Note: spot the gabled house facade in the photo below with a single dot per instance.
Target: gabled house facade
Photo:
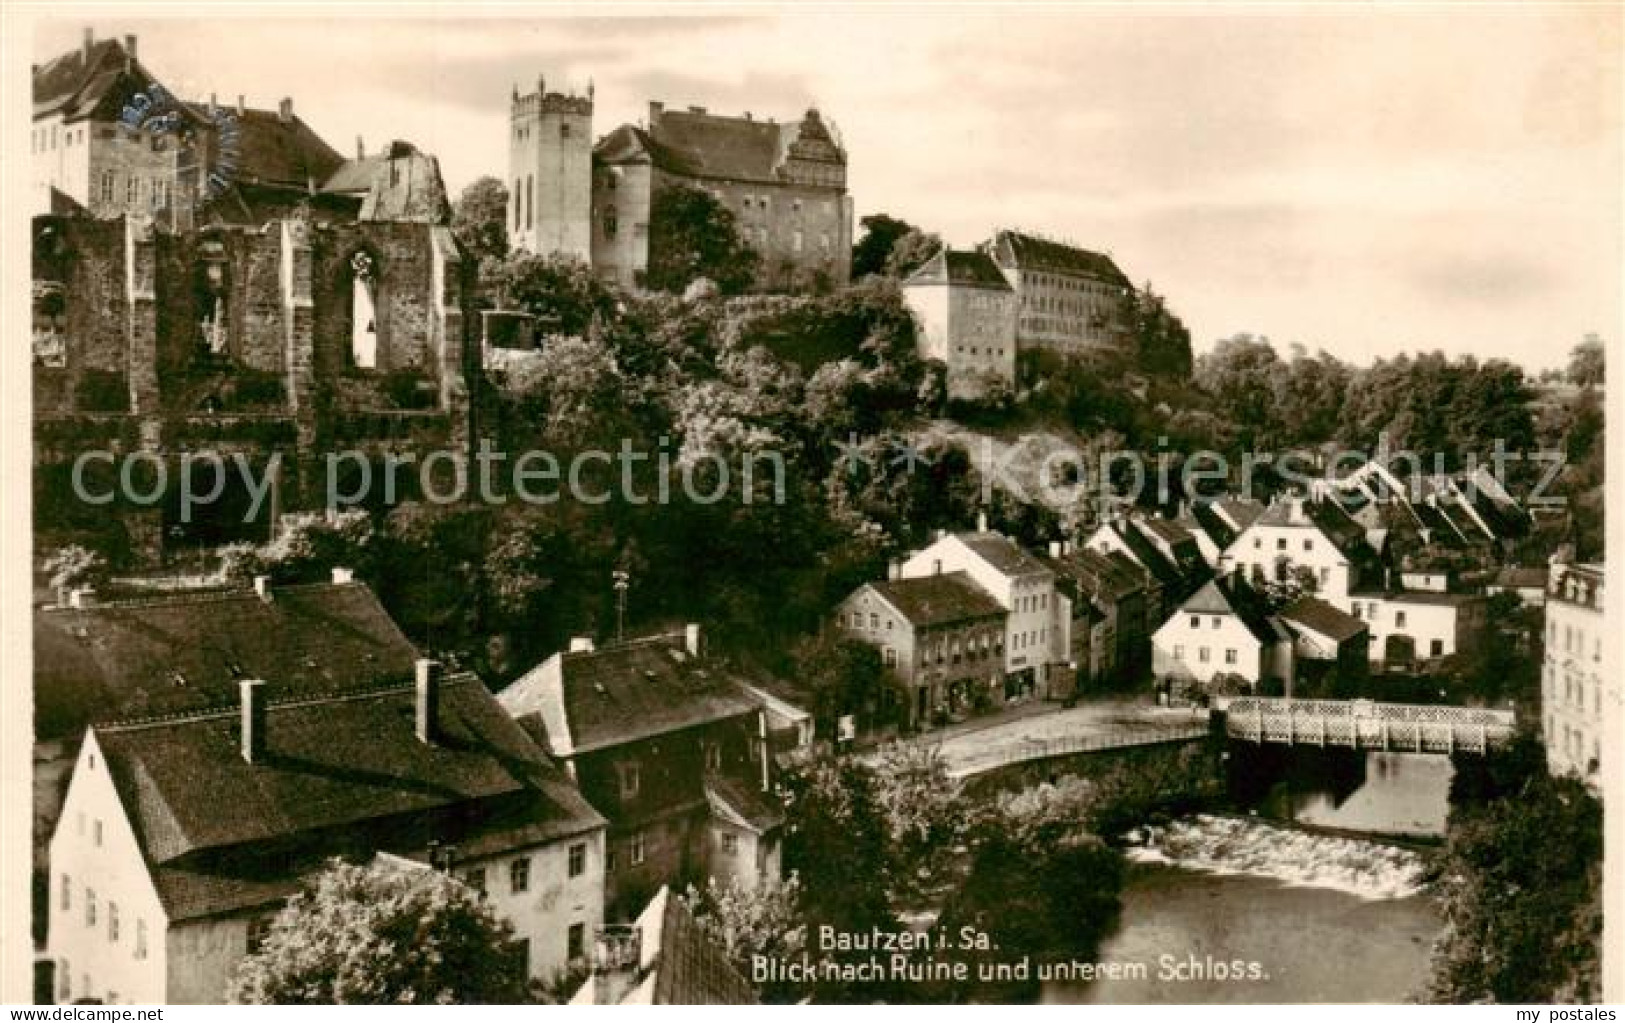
(670, 748)
(1036, 640)
(1221, 635)
(942, 636)
(182, 835)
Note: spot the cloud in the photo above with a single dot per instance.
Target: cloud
(1503, 279)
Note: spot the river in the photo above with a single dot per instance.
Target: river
(1252, 908)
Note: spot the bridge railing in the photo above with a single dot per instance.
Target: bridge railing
(1368, 724)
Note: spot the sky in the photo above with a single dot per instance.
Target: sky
(1364, 180)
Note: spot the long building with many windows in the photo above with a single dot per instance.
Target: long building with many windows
(1578, 693)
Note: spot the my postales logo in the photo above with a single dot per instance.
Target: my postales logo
(155, 110)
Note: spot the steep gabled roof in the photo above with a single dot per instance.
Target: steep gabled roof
(1231, 595)
(741, 806)
(1086, 572)
(401, 184)
(84, 81)
(623, 693)
(273, 150)
(1312, 613)
(1028, 252)
(186, 652)
(1002, 553)
(702, 145)
(220, 832)
(932, 600)
(961, 269)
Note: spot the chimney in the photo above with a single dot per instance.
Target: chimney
(262, 587)
(981, 522)
(894, 570)
(360, 149)
(240, 107)
(251, 694)
(697, 110)
(212, 106)
(936, 567)
(691, 639)
(342, 576)
(427, 716)
(656, 108)
(82, 596)
(747, 115)
(129, 46)
(581, 644)
(284, 110)
(90, 40)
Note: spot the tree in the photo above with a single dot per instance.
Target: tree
(693, 235)
(880, 234)
(1522, 897)
(843, 676)
(835, 841)
(925, 808)
(764, 920)
(384, 934)
(479, 219)
(561, 291)
(910, 252)
(1586, 362)
(1162, 343)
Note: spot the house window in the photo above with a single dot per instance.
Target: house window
(634, 849)
(1179, 652)
(1399, 619)
(474, 877)
(141, 939)
(112, 921)
(631, 778)
(730, 844)
(1258, 543)
(519, 875)
(1436, 648)
(1196, 621)
(1354, 608)
(90, 907)
(576, 942)
(1202, 654)
(713, 756)
(1280, 543)
(518, 204)
(96, 832)
(66, 901)
(132, 191)
(107, 186)
(1309, 545)
(578, 859)
(612, 223)
(891, 657)
(610, 859)
(1230, 655)
(564, 131)
(1216, 623)
(64, 979)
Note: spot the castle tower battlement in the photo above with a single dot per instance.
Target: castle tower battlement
(550, 172)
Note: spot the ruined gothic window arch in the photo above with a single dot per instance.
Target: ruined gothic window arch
(518, 199)
(612, 223)
(530, 200)
(363, 310)
(213, 295)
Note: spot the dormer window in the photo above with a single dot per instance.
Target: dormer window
(631, 778)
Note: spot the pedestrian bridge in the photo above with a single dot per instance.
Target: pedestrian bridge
(1367, 725)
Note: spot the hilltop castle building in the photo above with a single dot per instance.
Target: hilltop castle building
(785, 183)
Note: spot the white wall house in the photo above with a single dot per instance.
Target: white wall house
(1418, 625)
(1215, 633)
(1038, 630)
(182, 836)
(1287, 537)
(1579, 693)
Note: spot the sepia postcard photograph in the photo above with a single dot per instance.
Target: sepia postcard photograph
(900, 504)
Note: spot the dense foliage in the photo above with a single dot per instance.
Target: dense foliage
(692, 235)
(1521, 883)
(382, 934)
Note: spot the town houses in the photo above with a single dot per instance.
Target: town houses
(210, 737)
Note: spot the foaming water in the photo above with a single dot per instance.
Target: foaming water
(1255, 848)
